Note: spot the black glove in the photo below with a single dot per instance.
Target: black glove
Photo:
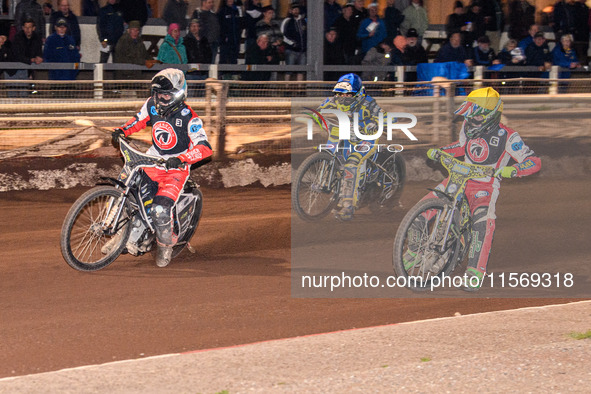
(173, 162)
(116, 134)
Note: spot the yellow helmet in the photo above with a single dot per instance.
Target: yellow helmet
(481, 111)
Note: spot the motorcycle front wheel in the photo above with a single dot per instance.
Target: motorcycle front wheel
(316, 188)
(89, 242)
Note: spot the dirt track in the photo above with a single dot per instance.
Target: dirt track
(236, 289)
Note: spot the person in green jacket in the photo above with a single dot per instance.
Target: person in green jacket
(415, 17)
(172, 50)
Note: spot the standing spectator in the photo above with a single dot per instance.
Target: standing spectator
(210, 26)
(402, 4)
(130, 49)
(581, 33)
(457, 22)
(484, 55)
(393, 19)
(415, 17)
(63, 11)
(295, 38)
(29, 9)
(110, 28)
(344, 26)
(90, 8)
(494, 20)
(454, 51)
(198, 50)
(175, 11)
(230, 32)
(172, 50)
(260, 53)
(27, 48)
(372, 30)
(475, 19)
(332, 10)
(6, 52)
(253, 14)
(523, 44)
(359, 12)
(413, 52)
(271, 29)
(333, 53)
(134, 10)
(61, 48)
(48, 8)
(563, 17)
(521, 17)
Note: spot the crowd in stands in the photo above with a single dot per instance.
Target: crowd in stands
(354, 35)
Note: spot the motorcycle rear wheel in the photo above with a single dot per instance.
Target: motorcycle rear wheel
(184, 240)
(389, 196)
(86, 244)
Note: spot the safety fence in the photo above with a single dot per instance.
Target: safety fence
(243, 117)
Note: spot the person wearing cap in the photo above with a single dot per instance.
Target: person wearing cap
(415, 16)
(350, 98)
(538, 53)
(175, 11)
(172, 50)
(198, 50)
(63, 11)
(372, 30)
(61, 48)
(130, 49)
(413, 52)
(484, 55)
(30, 9)
(110, 28)
(47, 8)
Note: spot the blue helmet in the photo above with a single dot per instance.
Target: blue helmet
(348, 83)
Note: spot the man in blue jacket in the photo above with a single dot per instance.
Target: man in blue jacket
(61, 48)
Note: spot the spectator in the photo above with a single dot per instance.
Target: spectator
(380, 55)
(512, 54)
(27, 48)
(581, 33)
(523, 44)
(172, 50)
(198, 50)
(457, 22)
(90, 8)
(210, 26)
(538, 54)
(48, 9)
(175, 11)
(29, 9)
(402, 4)
(454, 51)
(563, 17)
(484, 55)
(372, 30)
(63, 11)
(259, 54)
(477, 26)
(359, 13)
(253, 14)
(134, 10)
(564, 55)
(295, 38)
(61, 48)
(415, 17)
(494, 20)
(521, 17)
(230, 32)
(271, 29)
(413, 52)
(344, 26)
(393, 19)
(6, 50)
(332, 11)
(333, 53)
(110, 28)
(130, 49)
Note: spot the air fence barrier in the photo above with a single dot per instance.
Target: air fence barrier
(244, 116)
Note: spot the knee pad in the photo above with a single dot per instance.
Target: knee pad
(161, 210)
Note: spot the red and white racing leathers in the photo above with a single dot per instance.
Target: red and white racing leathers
(495, 149)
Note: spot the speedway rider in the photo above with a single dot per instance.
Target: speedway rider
(486, 141)
(178, 137)
(350, 98)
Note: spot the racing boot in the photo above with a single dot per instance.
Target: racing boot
(163, 255)
(112, 243)
(472, 279)
(345, 213)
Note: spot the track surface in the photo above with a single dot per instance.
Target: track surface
(235, 289)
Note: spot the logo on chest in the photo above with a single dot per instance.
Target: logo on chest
(478, 150)
(164, 135)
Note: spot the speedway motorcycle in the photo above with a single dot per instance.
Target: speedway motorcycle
(113, 218)
(434, 236)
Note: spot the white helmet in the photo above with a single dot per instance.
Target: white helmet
(169, 90)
